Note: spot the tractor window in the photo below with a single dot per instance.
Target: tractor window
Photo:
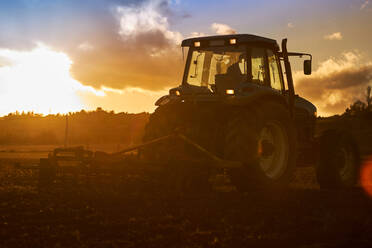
(275, 79)
(212, 66)
(196, 68)
(258, 56)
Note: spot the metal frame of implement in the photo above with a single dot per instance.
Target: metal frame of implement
(49, 167)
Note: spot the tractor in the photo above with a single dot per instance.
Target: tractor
(237, 102)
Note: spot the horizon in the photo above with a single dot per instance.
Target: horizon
(98, 109)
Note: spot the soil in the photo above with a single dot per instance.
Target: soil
(113, 211)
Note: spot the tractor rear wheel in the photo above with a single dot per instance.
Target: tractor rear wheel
(264, 139)
(178, 176)
(338, 165)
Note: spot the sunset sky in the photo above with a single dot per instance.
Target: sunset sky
(66, 55)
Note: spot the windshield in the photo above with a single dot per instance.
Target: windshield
(209, 65)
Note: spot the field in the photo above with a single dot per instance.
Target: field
(111, 211)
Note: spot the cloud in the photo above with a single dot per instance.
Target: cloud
(27, 86)
(290, 25)
(220, 28)
(86, 46)
(140, 51)
(217, 28)
(364, 5)
(117, 44)
(132, 100)
(336, 83)
(5, 61)
(144, 19)
(334, 36)
(196, 34)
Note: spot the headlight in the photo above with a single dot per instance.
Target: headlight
(232, 41)
(230, 92)
(178, 93)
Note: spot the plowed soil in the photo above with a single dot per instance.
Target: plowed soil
(112, 211)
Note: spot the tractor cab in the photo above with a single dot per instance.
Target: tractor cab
(242, 65)
(235, 64)
(225, 64)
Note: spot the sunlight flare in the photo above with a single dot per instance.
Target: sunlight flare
(39, 80)
(366, 176)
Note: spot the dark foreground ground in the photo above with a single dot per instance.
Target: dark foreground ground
(106, 212)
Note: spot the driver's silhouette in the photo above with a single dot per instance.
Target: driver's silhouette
(234, 70)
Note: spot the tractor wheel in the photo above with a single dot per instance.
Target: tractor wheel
(338, 165)
(264, 139)
(164, 121)
(192, 121)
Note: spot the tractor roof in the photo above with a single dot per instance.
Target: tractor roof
(240, 38)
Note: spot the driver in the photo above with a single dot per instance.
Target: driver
(234, 70)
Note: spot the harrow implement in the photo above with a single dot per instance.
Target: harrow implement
(78, 161)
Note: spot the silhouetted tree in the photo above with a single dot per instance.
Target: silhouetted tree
(361, 109)
(85, 127)
(356, 108)
(369, 98)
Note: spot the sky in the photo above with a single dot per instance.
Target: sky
(121, 55)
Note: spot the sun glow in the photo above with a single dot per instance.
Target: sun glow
(38, 80)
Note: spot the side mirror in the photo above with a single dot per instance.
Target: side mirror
(307, 67)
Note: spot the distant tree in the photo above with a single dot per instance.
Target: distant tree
(369, 98)
(360, 108)
(356, 108)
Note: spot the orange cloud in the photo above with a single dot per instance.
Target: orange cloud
(140, 51)
(336, 83)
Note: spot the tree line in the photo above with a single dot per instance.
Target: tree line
(102, 127)
(361, 108)
(84, 127)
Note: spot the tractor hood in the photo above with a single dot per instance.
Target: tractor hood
(305, 104)
(188, 89)
(184, 90)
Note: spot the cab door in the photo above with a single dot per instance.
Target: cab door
(274, 70)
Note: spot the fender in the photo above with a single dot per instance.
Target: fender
(167, 99)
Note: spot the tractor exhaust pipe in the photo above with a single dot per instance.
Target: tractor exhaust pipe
(288, 72)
